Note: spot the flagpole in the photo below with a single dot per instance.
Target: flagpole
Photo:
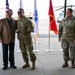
(49, 39)
(35, 46)
(65, 3)
(35, 43)
(35, 19)
(49, 50)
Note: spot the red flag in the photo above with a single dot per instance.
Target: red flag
(52, 22)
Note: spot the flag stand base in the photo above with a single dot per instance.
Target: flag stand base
(35, 50)
(61, 50)
(49, 50)
(18, 51)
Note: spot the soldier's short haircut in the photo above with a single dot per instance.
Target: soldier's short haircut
(21, 9)
(70, 9)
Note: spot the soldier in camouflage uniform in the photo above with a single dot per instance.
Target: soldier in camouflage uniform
(24, 29)
(67, 37)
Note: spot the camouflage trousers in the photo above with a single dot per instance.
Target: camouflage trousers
(68, 47)
(27, 50)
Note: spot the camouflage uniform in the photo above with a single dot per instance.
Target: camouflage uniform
(24, 28)
(67, 36)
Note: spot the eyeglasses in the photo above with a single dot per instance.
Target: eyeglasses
(7, 12)
(19, 12)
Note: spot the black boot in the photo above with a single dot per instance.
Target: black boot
(33, 65)
(72, 63)
(26, 65)
(65, 64)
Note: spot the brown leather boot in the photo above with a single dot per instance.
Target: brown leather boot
(33, 65)
(26, 65)
(65, 64)
(73, 65)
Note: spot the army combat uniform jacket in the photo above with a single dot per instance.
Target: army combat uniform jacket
(25, 28)
(67, 36)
